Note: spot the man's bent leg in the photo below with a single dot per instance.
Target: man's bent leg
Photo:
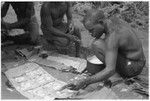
(77, 45)
(129, 68)
(98, 48)
(46, 40)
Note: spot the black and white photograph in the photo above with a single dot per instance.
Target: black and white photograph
(74, 50)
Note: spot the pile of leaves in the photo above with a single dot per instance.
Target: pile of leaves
(81, 7)
(134, 13)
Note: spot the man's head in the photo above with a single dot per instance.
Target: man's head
(94, 22)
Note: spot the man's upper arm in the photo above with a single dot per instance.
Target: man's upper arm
(111, 54)
(111, 59)
(4, 9)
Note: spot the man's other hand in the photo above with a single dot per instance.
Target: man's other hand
(76, 84)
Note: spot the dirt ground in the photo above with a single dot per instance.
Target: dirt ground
(86, 39)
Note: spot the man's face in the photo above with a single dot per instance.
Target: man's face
(96, 30)
(92, 24)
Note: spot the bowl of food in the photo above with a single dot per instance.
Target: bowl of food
(94, 65)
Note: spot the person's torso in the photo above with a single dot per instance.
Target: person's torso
(57, 12)
(129, 46)
(21, 8)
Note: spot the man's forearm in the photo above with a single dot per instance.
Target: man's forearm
(57, 32)
(101, 76)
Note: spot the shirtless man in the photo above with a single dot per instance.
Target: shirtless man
(121, 51)
(26, 21)
(55, 31)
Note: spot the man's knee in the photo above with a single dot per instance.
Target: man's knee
(98, 45)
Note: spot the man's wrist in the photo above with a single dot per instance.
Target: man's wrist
(89, 81)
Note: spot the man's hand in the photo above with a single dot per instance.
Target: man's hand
(76, 84)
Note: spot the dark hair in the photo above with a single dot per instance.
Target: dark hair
(100, 14)
(94, 14)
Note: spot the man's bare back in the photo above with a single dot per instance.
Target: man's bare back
(129, 44)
